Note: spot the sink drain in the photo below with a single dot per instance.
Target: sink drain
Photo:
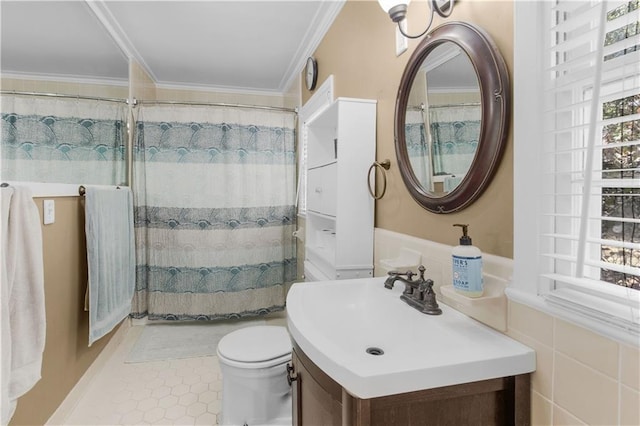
(375, 351)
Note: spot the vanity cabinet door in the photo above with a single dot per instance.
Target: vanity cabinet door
(313, 403)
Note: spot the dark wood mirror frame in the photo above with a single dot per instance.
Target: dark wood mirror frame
(495, 95)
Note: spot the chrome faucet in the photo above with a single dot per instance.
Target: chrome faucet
(418, 294)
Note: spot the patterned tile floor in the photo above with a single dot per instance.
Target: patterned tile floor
(171, 392)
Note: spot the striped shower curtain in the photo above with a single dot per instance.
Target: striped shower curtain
(418, 147)
(214, 211)
(58, 140)
(455, 131)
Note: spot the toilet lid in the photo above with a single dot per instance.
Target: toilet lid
(255, 344)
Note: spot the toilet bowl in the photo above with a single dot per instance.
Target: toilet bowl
(253, 362)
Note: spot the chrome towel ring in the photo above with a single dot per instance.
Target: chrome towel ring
(384, 166)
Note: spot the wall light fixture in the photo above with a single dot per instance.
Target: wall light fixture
(397, 10)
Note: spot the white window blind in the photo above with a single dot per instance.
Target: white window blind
(590, 224)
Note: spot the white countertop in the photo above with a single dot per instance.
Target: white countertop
(334, 322)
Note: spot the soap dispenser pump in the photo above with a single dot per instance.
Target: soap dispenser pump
(467, 266)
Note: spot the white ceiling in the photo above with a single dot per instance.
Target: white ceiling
(258, 45)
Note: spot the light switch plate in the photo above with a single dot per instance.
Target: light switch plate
(49, 208)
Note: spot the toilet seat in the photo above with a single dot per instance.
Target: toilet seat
(255, 347)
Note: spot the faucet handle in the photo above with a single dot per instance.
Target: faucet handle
(421, 269)
(426, 287)
(430, 304)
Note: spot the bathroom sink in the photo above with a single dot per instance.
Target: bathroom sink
(373, 344)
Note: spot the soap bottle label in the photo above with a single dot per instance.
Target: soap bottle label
(467, 274)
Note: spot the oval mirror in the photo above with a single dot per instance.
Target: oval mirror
(452, 114)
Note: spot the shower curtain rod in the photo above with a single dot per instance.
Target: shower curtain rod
(58, 95)
(422, 107)
(456, 105)
(219, 104)
(136, 102)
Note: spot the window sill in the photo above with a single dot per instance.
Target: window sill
(597, 324)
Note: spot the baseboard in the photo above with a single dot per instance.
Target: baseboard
(59, 417)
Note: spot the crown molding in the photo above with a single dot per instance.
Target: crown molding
(217, 89)
(326, 14)
(322, 21)
(119, 36)
(65, 78)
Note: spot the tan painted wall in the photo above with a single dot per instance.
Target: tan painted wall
(65, 87)
(143, 88)
(66, 354)
(359, 50)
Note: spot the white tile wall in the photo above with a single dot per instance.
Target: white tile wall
(581, 377)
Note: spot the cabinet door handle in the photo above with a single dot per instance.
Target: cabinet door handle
(318, 189)
(291, 374)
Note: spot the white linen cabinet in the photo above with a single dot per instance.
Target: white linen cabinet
(341, 146)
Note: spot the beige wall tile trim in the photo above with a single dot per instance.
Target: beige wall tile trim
(585, 392)
(562, 417)
(388, 244)
(542, 378)
(630, 366)
(629, 406)
(436, 258)
(529, 298)
(531, 322)
(541, 410)
(587, 347)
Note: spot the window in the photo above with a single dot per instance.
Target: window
(586, 251)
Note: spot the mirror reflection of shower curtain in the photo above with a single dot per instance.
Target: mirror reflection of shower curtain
(454, 131)
(60, 140)
(215, 215)
(417, 147)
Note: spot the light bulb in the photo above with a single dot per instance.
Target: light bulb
(386, 5)
(397, 9)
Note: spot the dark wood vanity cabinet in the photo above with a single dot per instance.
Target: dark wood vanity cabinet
(319, 400)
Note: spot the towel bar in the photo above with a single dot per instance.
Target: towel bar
(82, 190)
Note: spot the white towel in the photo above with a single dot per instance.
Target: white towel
(22, 297)
(110, 257)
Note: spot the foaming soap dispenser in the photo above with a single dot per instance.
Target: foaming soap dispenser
(467, 266)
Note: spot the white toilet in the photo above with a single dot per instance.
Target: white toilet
(255, 391)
